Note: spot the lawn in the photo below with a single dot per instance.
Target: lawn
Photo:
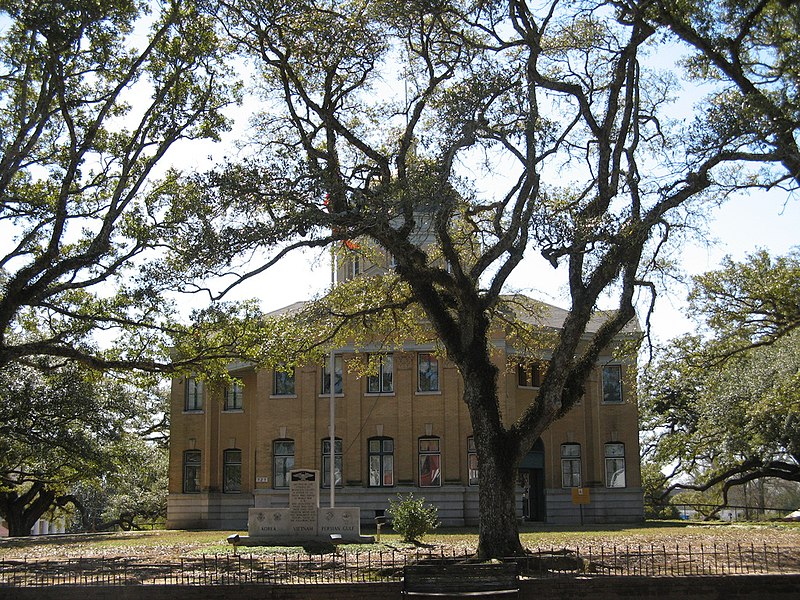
(167, 544)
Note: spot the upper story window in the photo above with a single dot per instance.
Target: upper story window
(337, 375)
(427, 372)
(381, 461)
(326, 462)
(191, 472)
(283, 383)
(529, 374)
(353, 266)
(612, 384)
(193, 398)
(570, 465)
(383, 381)
(282, 462)
(430, 462)
(472, 461)
(232, 471)
(234, 396)
(615, 465)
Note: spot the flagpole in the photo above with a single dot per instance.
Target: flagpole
(332, 402)
(332, 418)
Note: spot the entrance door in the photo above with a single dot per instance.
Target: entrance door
(531, 474)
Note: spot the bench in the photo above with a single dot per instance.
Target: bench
(462, 580)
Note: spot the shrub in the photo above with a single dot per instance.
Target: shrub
(411, 518)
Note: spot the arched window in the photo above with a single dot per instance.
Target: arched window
(282, 462)
(380, 458)
(570, 465)
(472, 461)
(615, 465)
(191, 472)
(232, 471)
(430, 462)
(326, 462)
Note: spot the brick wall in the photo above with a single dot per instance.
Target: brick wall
(741, 587)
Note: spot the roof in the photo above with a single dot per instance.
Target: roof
(526, 309)
(536, 312)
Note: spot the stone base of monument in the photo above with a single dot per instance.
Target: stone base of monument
(287, 526)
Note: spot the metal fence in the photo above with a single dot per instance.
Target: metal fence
(347, 567)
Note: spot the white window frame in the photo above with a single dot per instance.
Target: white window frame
(432, 361)
(234, 397)
(612, 386)
(430, 461)
(571, 465)
(338, 362)
(232, 471)
(383, 381)
(191, 471)
(193, 395)
(287, 377)
(380, 462)
(472, 462)
(326, 462)
(282, 463)
(615, 465)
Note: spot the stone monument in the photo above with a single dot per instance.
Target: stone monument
(303, 520)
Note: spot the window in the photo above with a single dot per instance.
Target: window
(326, 462)
(529, 375)
(194, 394)
(326, 375)
(284, 383)
(472, 461)
(233, 396)
(615, 465)
(232, 471)
(428, 372)
(381, 462)
(570, 465)
(191, 472)
(430, 461)
(353, 267)
(612, 384)
(282, 462)
(383, 381)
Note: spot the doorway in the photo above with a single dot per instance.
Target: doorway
(531, 477)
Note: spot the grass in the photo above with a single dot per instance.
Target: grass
(175, 543)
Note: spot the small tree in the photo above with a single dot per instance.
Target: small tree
(411, 518)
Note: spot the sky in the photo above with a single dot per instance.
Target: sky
(739, 227)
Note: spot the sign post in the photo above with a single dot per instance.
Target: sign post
(580, 496)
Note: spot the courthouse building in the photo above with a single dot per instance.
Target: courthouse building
(404, 428)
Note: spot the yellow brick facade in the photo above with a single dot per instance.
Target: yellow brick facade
(403, 415)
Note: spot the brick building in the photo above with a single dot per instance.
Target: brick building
(403, 429)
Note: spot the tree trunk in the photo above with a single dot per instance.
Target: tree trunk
(498, 530)
(22, 512)
(498, 457)
(18, 525)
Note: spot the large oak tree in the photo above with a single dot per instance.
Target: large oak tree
(721, 408)
(93, 94)
(461, 137)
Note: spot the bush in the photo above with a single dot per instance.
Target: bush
(411, 518)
